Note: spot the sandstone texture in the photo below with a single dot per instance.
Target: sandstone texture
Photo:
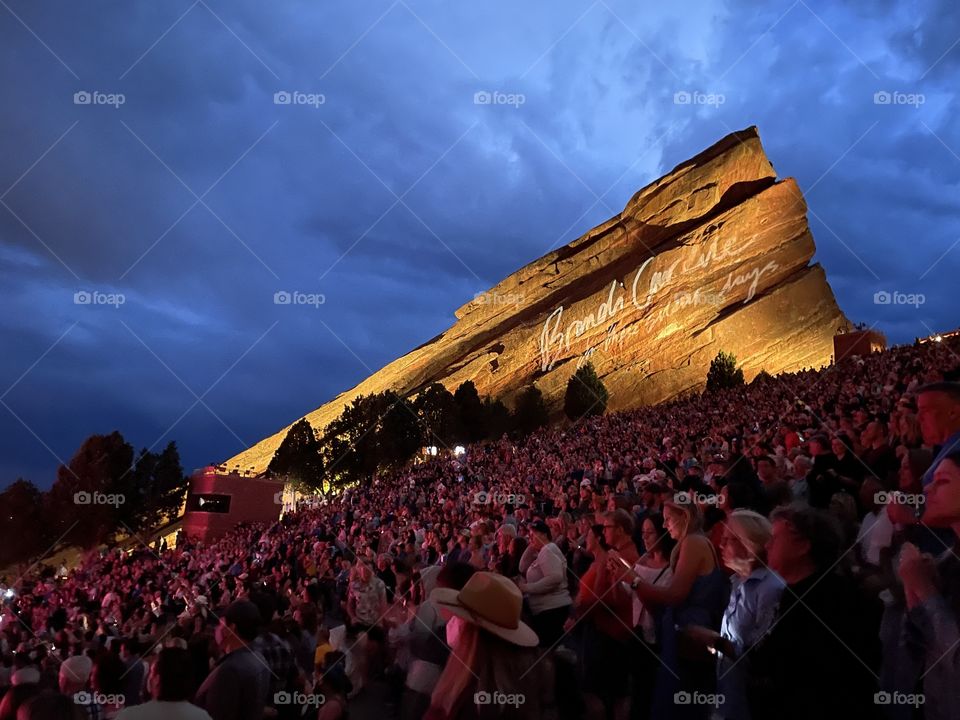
(713, 256)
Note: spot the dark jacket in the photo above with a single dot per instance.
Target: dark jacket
(821, 657)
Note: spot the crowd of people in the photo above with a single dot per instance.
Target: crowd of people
(785, 549)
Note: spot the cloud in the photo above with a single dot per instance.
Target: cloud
(104, 197)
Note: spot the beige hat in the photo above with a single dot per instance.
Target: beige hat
(491, 601)
(77, 668)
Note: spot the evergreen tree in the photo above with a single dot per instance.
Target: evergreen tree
(724, 372)
(470, 410)
(586, 394)
(530, 411)
(299, 458)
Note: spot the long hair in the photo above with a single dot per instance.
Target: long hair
(482, 662)
(693, 523)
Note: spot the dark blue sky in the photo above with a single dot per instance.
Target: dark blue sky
(387, 188)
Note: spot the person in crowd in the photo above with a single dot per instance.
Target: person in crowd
(170, 685)
(274, 650)
(754, 598)
(73, 681)
(823, 480)
(820, 656)
(932, 588)
(107, 683)
(879, 459)
(428, 650)
(776, 491)
(16, 696)
(696, 596)
(545, 584)
(335, 686)
(387, 575)
(653, 567)
(493, 670)
(367, 598)
(938, 412)
(604, 608)
(50, 705)
(237, 687)
(134, 671)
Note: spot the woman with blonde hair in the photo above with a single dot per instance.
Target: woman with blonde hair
(696, 595)
(754, 598)
(493, 670)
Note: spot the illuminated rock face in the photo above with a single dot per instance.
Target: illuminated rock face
(712, 256)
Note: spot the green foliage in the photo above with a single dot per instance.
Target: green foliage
(86, 505)
(439, 416)
(470, 411)
(23, 523)
(497, 418)
(530, 411)
(724, 372)
(299, 458)
(761, 377)
(373, 433)
(586, 394)
(155, 489)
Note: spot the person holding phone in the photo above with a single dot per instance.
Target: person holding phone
(696, 595)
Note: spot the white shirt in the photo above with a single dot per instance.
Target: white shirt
(876, 533)
(156, 710)
(642, 617)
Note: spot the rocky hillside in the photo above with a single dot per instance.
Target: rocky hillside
(714, 255)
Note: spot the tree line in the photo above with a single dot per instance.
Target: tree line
(384, 431)
(106, 491)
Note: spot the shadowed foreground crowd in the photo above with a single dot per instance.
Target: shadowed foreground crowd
(782, 550)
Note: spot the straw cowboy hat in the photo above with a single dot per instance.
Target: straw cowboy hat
(492, 602)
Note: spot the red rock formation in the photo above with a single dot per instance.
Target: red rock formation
(714, 255)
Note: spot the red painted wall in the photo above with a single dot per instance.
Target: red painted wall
(858, 342)
(251, 500)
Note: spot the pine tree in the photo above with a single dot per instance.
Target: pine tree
(586, 394)
(724, 372)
